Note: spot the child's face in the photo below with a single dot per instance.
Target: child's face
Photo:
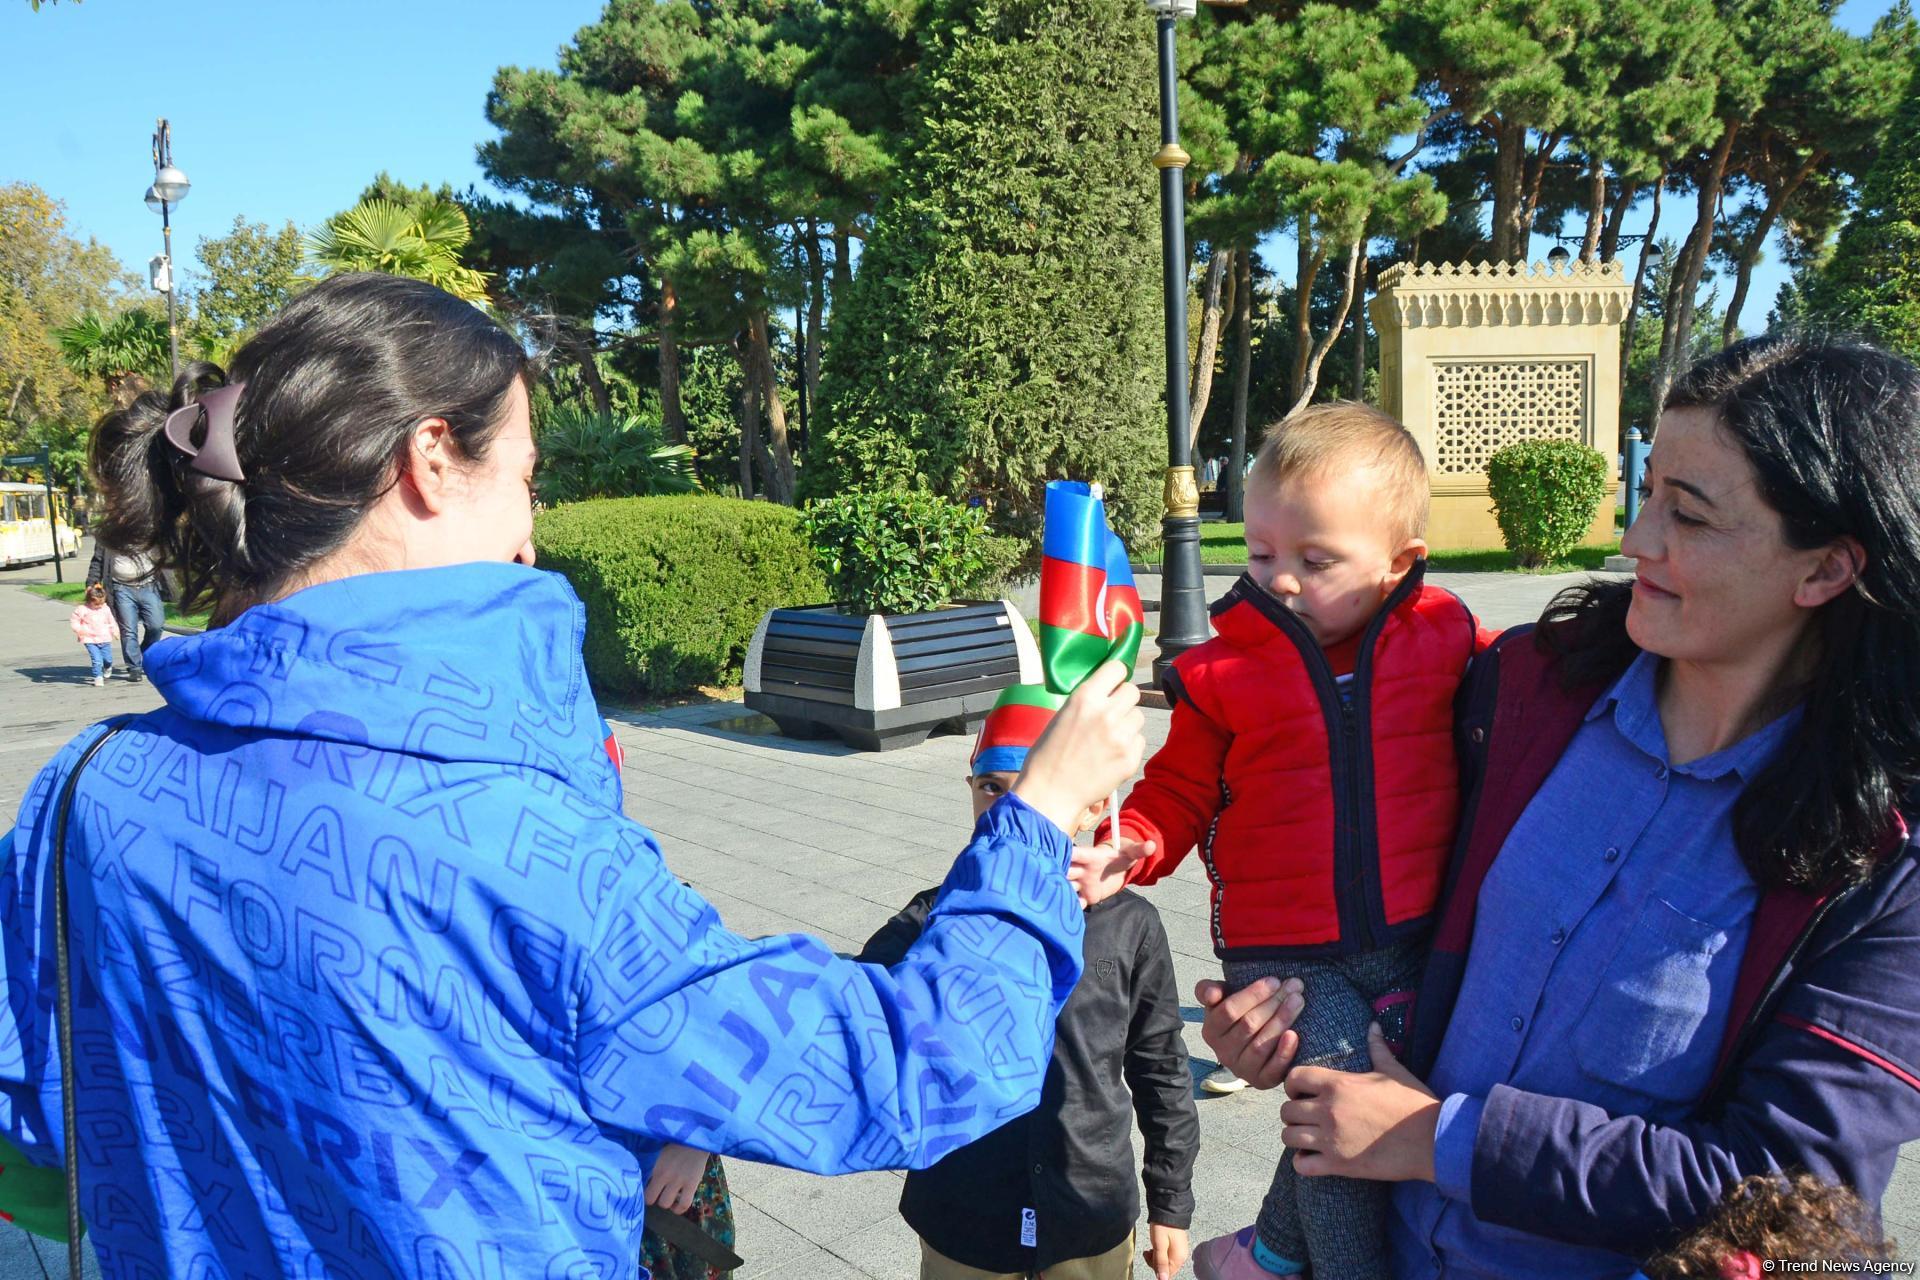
(988, 787)
(1319, 544)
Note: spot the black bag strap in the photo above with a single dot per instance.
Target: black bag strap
(63, 978)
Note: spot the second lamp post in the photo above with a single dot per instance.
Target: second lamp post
(169, 188)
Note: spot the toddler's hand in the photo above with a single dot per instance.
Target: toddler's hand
(1100, 871)
(1168, 1251)
(676, 1176)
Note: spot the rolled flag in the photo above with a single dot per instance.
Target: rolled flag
(1018, 717)
(1090, 609)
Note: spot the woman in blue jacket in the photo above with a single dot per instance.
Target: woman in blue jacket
(1683, 918)
(372, 977)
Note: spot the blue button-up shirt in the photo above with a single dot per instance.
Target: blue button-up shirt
(1609, 937)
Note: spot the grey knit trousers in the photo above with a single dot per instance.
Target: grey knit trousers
(1336, 1226)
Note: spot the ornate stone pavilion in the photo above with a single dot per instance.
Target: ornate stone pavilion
(1478, 356)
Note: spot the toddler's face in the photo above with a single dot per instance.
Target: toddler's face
(1319, 544)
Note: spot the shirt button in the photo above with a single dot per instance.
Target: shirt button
(1613, 855)
(1518, 1023)
(1478, 735)
(1661, 773)
(1559, 936)
(1037, 1168)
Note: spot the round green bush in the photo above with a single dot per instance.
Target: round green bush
(674, 586)
(904, 552)
(1545, 494)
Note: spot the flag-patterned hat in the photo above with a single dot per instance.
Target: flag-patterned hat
(1018, 718)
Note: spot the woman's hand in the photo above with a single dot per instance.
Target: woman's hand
(1094, 744)
(1250, 1031)
(1378, 1126)
(676, 1176)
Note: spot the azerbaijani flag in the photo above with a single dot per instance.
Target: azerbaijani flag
(1090, 610)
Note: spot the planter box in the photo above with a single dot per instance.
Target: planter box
(887, 680)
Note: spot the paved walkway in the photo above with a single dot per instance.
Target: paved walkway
(788, 836)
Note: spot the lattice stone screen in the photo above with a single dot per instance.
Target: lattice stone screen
(1476, 357)
(1480, 406)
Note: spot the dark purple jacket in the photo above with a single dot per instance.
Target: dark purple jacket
(1820, 1068)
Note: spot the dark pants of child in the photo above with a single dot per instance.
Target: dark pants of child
(1336, 1226)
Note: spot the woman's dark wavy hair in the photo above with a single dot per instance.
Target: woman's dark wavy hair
(1832, 428)
(335, 385)
(1772, 1215)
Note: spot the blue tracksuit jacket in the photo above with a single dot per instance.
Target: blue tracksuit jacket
(374, 978)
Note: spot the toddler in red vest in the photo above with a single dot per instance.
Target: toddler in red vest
(1311, 762)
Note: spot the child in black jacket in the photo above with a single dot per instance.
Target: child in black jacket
(1053, 1190)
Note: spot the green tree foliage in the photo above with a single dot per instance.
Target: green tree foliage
(894, 552)
(130, 344)
(423, 242)
(1320, 105)
(246, 276)
(1505, 69)
(48, 278)
(1003, 329)
(1872, 281)
(584, 455)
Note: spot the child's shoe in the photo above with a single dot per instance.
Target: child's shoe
(1222, 1080)
(106, 672)
(98, 681)
(1230, 1258)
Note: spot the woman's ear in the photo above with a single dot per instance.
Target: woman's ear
(427, 466)
(1840, 565)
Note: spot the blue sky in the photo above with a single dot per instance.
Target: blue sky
(285, 111)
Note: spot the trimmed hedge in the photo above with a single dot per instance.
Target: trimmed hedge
(1545, 494)
(674, 586)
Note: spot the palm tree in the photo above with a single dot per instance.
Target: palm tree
(422, 243)
(584, 454)
(129, 345)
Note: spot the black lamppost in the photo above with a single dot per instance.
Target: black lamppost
(169, 188)
(1183, 599)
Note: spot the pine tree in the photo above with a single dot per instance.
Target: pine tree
(1004, 328)
(1873, 280)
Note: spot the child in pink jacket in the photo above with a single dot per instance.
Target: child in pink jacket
(96, 627)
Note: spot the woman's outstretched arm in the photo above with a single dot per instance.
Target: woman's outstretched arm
(778, 1050)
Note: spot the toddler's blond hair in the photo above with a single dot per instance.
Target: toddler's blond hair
(1343, 435)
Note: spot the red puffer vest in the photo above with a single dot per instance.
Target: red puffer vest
(1325, 829)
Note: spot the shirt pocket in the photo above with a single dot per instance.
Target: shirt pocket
(1650, 1026)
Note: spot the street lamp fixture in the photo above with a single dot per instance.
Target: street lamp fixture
(1558, 257)
(170, 184)
(1183, 598)
(170, 187)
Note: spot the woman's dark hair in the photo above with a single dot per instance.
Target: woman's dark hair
(1770, 1215)
(1832, 428)
(335, 386)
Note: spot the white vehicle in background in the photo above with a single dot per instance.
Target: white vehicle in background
(28, 529)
